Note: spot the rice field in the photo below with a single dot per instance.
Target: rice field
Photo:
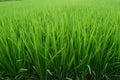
(60, 40)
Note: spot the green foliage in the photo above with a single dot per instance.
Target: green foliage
(7, 0)
(59, 42)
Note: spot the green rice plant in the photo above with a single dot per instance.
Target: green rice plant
(60, 42)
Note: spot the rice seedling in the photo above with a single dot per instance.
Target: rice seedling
(63, 41)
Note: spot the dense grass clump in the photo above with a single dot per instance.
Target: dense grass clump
(62, 43)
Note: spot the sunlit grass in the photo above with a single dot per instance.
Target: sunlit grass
(63, 42)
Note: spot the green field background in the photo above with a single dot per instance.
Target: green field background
(60, 40)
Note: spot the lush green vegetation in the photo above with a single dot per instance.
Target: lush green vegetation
(56, 40)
